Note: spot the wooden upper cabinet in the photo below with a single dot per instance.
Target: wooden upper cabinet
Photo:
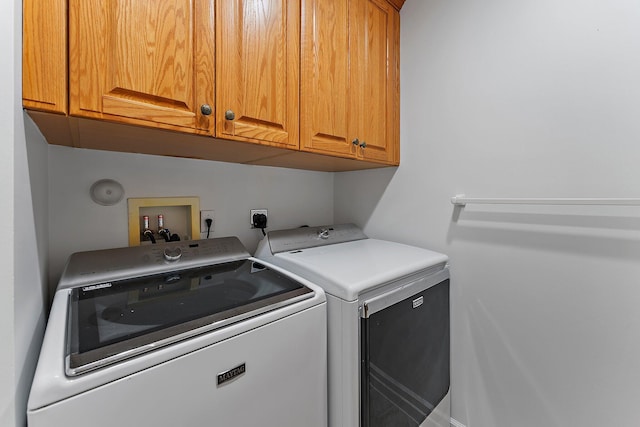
(257, 60)
(311, 84)
(349, 102)
(44, 55)
(143, 62)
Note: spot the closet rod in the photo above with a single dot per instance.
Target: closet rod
(462, 200)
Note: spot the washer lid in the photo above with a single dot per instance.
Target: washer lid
(348, 269)
(117, 320)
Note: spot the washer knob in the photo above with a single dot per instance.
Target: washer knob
(172, 254)
(323, 233)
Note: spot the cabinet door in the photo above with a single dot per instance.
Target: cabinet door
(257, 58)
(326, 100)
(143, 62)
(44, 55)
(376, 34)
(349, 79)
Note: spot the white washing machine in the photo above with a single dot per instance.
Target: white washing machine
(181, 334)
(388, 323)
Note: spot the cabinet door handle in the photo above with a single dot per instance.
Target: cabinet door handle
(356, 142)
(229, 115)
(206, 110)
(363, 144)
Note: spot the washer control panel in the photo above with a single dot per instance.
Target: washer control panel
(85, 268)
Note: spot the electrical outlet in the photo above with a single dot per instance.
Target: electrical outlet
(256, 211)
(204, 215)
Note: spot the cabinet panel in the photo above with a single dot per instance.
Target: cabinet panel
(377, 36)
(150, 61)
(44, 55)
(349, 81)
(326, 102)
(257, 60)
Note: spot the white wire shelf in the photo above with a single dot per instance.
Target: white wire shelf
(462, 200)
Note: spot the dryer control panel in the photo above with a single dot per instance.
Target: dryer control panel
(311, 237)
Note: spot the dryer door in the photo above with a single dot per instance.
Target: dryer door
(405, 356)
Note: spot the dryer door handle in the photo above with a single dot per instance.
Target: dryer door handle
(378, 303)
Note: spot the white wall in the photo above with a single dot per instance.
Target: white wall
(23, 192)
(7, 132)
(292, 197)
(522, 99)
(31, 251)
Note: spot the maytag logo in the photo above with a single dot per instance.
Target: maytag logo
(96, 287)
(418, 302)
(231, 374)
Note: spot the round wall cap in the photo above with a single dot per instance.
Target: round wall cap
(106, 192)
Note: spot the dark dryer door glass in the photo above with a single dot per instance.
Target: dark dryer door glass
(405, 359)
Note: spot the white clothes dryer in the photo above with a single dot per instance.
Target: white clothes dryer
(388, 323)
